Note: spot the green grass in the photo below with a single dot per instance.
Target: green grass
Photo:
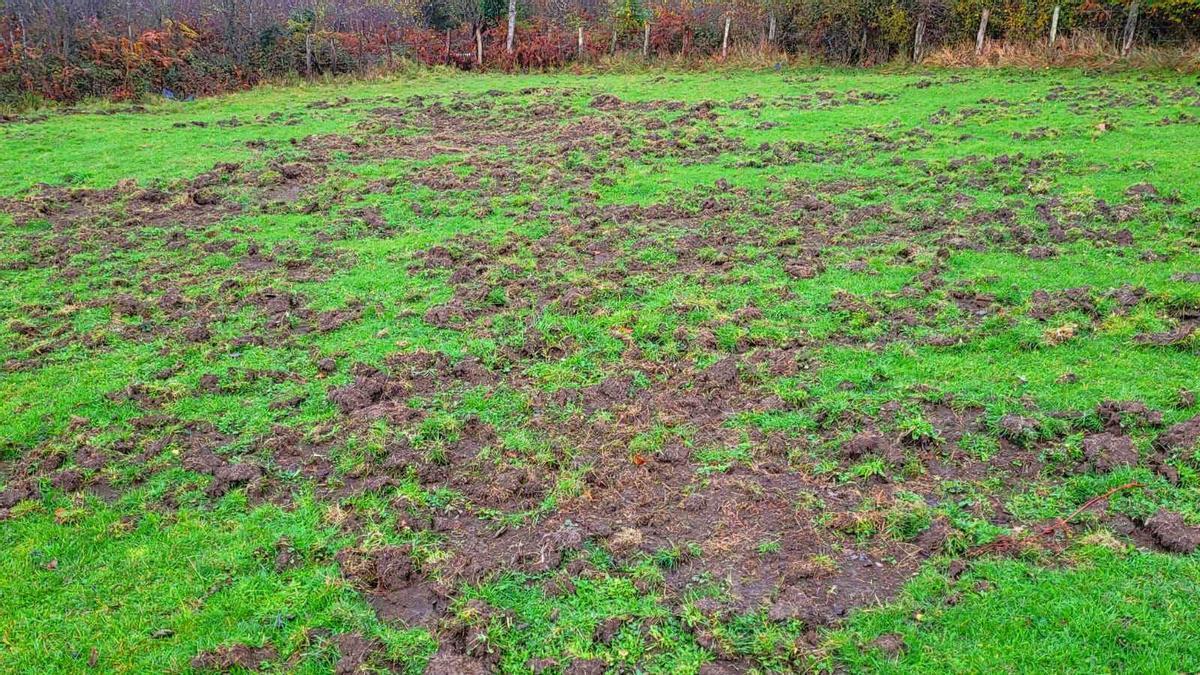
(142, 571)
(1109, 611)
(148, 590)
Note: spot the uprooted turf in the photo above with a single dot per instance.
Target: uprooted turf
(671, 372)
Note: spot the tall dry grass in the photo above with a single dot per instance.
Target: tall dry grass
(1075, 50)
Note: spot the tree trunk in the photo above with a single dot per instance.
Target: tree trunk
(447, 46)
(646, 41)
(982, 35)
(479, 46)
(512, 25)
(725, 40)
(771, 27)
(612, 49)
(387, 45)
(1054, 26)
(332, 57)
(1130, 29)
(580, 50)
(919, 41)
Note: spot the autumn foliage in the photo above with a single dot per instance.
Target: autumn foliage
(74, 56)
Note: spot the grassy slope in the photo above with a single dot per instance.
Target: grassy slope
(77, 580)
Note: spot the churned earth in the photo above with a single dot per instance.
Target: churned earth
(723, 372)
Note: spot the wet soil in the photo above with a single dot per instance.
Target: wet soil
(714, 491)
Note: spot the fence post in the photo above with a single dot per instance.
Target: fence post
(332, 57)
(479, 45)
(612, 49)
(512, 25)
(1130, 29)
(1054, 26)
(581, 43)
(919, 40)
(771, 27)
(646, 41)
(982, 35)
(725, 40)
(308, 55)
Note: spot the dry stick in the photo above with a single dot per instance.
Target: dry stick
(1094, 500)
(725, 41)
(1130, 29)
(1054, 26)
(979, 38)
(1056, 524)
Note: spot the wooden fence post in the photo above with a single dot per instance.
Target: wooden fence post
(1130, 29)
(308, 55)
(581, 43)
(982, 35)
(725, 40)
(1054, 26)
(479, 45)
(919, 40)
(771, 27)
(612, 49)
(512, 25)
(332, 57)
(646, 41)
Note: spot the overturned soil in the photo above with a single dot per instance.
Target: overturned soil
(698, 433)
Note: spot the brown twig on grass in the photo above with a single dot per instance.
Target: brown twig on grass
(1094, 500)
(1009, 543)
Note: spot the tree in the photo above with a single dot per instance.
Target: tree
(628, 15)
(475, 13)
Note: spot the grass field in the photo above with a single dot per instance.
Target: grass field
(723, 372)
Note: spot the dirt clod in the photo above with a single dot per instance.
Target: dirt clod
(1172, 533)
(228, 658)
